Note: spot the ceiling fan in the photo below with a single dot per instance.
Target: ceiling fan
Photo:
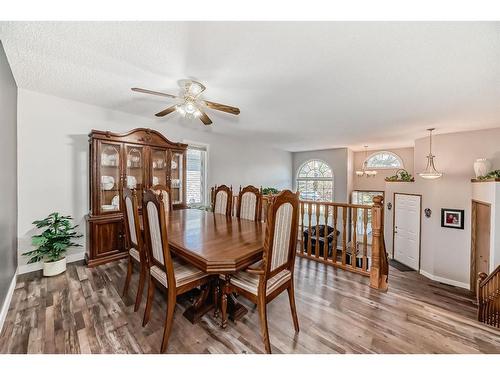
(191, 105)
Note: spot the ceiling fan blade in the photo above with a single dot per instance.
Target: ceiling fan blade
(204, 118)
(166, 111)
(144, 91)
(222, 107)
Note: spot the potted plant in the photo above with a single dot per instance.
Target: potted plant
(491, 175)
(401, 175)
(270, 191)
(53, 242)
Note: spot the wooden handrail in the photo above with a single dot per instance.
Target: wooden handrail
(488, 277)
(488, 298)
(339, 234)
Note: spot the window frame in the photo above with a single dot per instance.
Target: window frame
(398, 158)
(306, 179)
(202, 147)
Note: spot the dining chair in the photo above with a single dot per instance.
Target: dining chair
(172, 274)
(165, 191)
(135, 244)
(249, 203)
(265, 280)
(222, 200)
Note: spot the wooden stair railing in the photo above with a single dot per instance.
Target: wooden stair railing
(488, 298)
(352, 226)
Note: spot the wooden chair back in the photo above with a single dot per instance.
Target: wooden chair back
(249, 203)
(155, 231)
(165, 191)
(132, 221)
(281, 233)
(222, 200)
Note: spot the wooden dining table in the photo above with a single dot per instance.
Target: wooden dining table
(216, 244)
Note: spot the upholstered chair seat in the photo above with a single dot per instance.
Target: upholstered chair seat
(184, 273)
(250, 282)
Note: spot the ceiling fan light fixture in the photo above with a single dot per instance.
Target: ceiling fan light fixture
(190, 108)
(195, 88)
(180, 108)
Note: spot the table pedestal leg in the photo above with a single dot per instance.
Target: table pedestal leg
(201, 305)
(216, 298)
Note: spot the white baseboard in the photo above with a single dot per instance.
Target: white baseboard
(6, 302)
(70, 258)
(445, 281)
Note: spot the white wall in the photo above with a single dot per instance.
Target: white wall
(53, 157)
(337, 159)
(377, 183)
(445, 252)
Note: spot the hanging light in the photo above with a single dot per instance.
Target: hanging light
(430, 172)
(364, 171)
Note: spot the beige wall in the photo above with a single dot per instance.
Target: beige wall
(445, 252)
(337, 159)
(378, 182)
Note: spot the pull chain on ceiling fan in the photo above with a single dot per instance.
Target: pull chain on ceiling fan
(191, 106)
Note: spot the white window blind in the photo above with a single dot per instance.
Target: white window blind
(196, 174)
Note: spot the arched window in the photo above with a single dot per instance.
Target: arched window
(315, 181)
(384, 160)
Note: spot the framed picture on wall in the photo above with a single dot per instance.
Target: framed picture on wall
(451, 218)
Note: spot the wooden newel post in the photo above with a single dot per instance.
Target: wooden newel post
(379, 270)
(480, 307)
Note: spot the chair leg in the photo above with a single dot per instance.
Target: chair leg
(129, 275)
(264, 331)
(149, 301)
(140, 288)
(168, 322)
(291, 297)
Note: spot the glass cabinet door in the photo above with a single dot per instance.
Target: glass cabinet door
(134, 169)
(176, 177)
(109, 177)
(159, 167)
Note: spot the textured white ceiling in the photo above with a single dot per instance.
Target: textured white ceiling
(299, 85)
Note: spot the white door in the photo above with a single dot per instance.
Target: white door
(407, 229)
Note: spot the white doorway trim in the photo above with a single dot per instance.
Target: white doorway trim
(419, 229)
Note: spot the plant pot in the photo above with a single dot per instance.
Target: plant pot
(54, 268)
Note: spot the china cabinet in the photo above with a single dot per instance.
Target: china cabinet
(139, 160)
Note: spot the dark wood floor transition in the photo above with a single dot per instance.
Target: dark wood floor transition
(82, 311)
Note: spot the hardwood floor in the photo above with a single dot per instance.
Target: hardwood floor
(82, 311)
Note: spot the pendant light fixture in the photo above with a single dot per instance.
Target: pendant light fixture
(430, 172)
(364, 171)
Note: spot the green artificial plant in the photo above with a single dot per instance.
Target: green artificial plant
(270, 190)
(401, 175)
(53, 242)
(492, 174)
